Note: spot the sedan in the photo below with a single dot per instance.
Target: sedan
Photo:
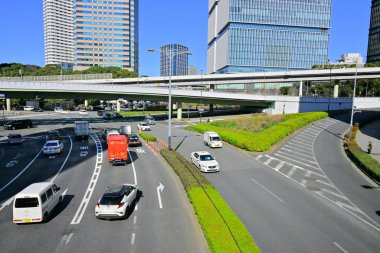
(83, 112)
(117, 201)
(53, 135)
(37, 110)
(133, 140)
(143, 126)
(15, 139)
(52, 147)
(204, 161)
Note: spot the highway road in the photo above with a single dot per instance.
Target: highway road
(303, 196)
(162, 220)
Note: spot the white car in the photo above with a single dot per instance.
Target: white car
(143, 126)
(52, 147)
(83, 112)
(117, 201)
(59, 110)
(28, 108)
(204, 161)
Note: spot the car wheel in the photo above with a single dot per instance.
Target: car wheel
(45, 218)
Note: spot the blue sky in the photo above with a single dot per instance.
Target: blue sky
(168, 21)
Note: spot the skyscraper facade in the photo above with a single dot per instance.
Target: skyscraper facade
(106, 34)
(174, 60)
(373, 52)
(267, 35)
(58, 32)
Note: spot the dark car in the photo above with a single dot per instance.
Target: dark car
(134, 140)
(53, 135)
(100, 112)
(37, 110)
(117, 115)
(18, 124)
(15, 139)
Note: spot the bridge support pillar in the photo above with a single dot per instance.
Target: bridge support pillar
(118, 106)
(86, 103)
(300, 89)
(211, 107)
(336, 91)
(8, 103)
(179, 110)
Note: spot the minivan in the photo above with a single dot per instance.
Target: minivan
(36, 202)
(18, 124)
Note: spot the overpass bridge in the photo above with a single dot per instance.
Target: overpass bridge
(104, 91)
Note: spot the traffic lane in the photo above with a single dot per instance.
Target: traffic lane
(269, 209)
(352, 182)
(164, 214)
(70, 180)
(14, 159)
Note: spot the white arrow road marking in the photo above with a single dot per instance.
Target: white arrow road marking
(160, 188)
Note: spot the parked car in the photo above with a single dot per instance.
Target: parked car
(116, 202)
(18, 124)
(37, 110)
(143, 126)
(149, 120)
(52, 147)
(53, 135)
(15, 139)
(133, 140)
(117, 115)
(28, 108)
(58, 109)
(83, 112)
(100, 112)
(204, 161)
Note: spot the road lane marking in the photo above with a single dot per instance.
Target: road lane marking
(286, 157)
(296, 148)
(291, 172)
(268, 161)
(6, 203)
(134, 220)
(340, 247)
(133, 168)
(278, 167)
(69, 238)
(160, 188)
(297, 153)
(19, 174)
(274, 195)
(67, 157)
(91, 185)
(298, 167)
(133, 238)
(300, 144)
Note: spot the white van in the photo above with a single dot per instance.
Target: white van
(36, 202)
(212, 140)
(28, 108)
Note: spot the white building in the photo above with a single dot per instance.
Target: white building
(58, 31)
(351, 58)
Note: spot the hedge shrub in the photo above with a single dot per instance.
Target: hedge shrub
(147, 137)
(365, 162)
(262, 140)
(215, 230)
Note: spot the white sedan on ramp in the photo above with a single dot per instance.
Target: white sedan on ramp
(204, 161)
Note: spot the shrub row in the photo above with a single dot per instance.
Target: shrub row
(262, 140)
(147, 137)
(365, 162)
(205, 201)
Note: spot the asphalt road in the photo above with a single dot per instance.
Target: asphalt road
(304, 196)
(82, 171)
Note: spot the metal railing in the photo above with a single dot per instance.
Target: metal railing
(58, 78)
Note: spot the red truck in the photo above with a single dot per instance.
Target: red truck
(117, 149)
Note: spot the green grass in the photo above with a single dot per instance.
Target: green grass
(364, 161)
(140, 113)
(214, 227)
(260, 133)
(147, 137)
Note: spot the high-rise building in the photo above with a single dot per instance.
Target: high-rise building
(267, 35)
(174, 60)
(192, 70)
(373, 52)
(106, 34)
(351, 58)
(58, 32)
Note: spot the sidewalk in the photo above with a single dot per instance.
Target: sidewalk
(370, 132)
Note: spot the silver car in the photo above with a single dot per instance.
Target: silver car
(116, 202)
(204, 161)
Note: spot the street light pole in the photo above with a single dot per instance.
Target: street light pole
(353, 100)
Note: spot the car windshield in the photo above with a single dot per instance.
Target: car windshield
(15, 136)
(144, 124)
(51, 144)
(206, 158)
(216, 138)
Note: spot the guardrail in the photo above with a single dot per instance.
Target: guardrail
(58, 78)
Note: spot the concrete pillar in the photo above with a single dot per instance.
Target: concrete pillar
(8, 102)
(179, 110)
(300, 89)
(85, 103)
(211, 107)
(118, 106)
(336, 91)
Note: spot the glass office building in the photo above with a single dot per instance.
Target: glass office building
(267, 35)
(174, 59)
(106, 34)
(373, 53)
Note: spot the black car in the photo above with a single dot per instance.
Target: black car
(133, 140)
(117, 115)
(18, 124)
(53, 135)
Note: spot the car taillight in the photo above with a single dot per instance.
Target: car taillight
(120, 205)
